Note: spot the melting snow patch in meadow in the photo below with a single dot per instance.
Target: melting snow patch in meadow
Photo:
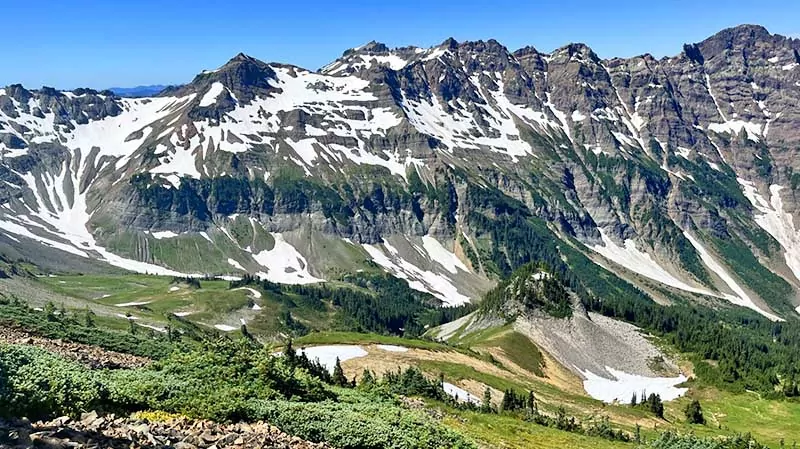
(133, 304)
(256, 307)
(392, 348)
(182, 314)
(174, 288)
(155, 328)
(130, 318)
(284, 264)
(622, 388)
(327, 354)
(225, 327)
(460, 394)
(418, 279)
(256, 294)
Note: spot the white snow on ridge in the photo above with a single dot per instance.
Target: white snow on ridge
(327, 355)
(210, 97)
(235, 264)
(64, 216)
(158, 235)
(740, 298)
(577, 116)
(418, 279)
(776, 221)
(284, 264)
(641, 263)
(753, 130)
(440, 254)
(460, 394)
(624, 386)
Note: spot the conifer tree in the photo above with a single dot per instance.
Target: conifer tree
(486, 405)
(339, 378)
(694, 413)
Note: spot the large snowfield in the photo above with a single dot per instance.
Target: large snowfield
(622, 388)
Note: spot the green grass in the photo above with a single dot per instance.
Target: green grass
(499, 431)
(209, 303)
(726, 413)
(520, 350)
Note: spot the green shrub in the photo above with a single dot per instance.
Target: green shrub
(37, 384)
(362, 425)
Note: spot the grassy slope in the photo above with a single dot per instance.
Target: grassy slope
(521, 369)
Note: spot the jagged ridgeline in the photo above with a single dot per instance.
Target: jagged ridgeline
(447, 167)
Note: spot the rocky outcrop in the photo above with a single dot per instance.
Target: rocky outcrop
(95, 431)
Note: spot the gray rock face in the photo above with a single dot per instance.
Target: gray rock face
(454, 141)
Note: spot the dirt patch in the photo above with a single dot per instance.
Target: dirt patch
(87, 355)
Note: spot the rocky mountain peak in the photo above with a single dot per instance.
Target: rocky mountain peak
(740, 38)
(578, 51)
(241, 79)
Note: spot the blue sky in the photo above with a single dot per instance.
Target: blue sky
(106, 43)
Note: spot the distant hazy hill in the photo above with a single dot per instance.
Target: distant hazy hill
(138, 91)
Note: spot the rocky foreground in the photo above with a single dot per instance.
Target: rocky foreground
(94, 431)
(90, 356)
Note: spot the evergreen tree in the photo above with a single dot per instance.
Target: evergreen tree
(694, 413)
(655, 405)
(634, 400)
(88, 317)
(530, 404)
(290, 354)
(486, 404)
(367, 379)
(339, 379)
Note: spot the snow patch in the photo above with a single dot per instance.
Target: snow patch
(235, 264)
(327, 355)
(225, 327)
(392, 348)
(622, 388)
(641, 263)
(460, 394)
(418, 279)
(442, 256)
(776, 221)
(133, 304)
(211, 95)
(255, 293)
(158, 235)
(284, 264)
(740, 298)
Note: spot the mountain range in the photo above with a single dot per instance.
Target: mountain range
(449, 167)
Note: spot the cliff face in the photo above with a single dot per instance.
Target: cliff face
(447, 166)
